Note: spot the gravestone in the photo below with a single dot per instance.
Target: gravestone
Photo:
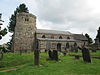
(64, 53)
(36, 57)
(86, 55)
(1, 54)
(36, 50)
(55, 55)
(77, 57)
(93, 50)
(50, 53)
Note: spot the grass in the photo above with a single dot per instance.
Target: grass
(91, 53)
(66, 66)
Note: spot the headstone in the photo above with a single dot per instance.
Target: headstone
(72, 49)
(50, 53)
(55, 55)
(77, 57)
(86, 55)
(36, 57)
(36, 51)
(45, 50)
(20, 52)
(64, 53)
(1, 54)
(76, 49)
(93, 50)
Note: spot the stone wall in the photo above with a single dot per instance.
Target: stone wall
(24, 32)
(53, 44)
(55, 36)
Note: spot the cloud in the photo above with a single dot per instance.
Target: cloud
(76, 16)
(73, 15)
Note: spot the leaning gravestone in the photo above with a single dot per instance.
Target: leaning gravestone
(86, 55)
(55, 55)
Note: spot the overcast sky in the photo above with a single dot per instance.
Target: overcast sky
(76, 16)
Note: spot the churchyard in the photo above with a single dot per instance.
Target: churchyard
(25, 56)
(66, 65)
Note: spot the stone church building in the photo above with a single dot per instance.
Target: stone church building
(25, 29)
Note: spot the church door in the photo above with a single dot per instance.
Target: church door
(59, 46)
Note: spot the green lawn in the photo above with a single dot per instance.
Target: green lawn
(66, 66)
(91, 53)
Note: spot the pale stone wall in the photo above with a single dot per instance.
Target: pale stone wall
(24, 35)
(24, 32)
(56, 36)
(53, 44)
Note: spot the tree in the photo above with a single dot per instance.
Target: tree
(98, 34)
(2, 33)
(12, 23)
(89, 39)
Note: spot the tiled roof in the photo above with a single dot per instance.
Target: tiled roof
(79, 37)
(53, 32)
(49, 39)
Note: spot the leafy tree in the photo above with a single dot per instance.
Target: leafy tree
(21, 8)
(98, 34)
(89, 39)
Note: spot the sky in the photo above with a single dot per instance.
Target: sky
(76, 16)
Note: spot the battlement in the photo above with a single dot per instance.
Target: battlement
(26, 15)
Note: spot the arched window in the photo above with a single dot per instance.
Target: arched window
(75, 44)
(67, 45)
(26, 19)
(68, 37)
(43, 36)
(60, 37)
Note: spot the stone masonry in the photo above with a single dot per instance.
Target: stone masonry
(23, 39)
(24, 32)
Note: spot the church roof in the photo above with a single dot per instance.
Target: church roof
(79, 37)
(53, 32)
(49, 39)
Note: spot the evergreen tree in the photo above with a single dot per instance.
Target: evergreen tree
(4, 31)
(89, 39)
(98, 34)
(12, 23)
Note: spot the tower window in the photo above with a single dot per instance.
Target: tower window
(68, 37)
(60, 37)
(43, 36)
(26, 19)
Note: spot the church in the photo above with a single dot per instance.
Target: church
(23, 39)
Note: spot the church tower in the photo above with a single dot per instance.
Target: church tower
(24, 32)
